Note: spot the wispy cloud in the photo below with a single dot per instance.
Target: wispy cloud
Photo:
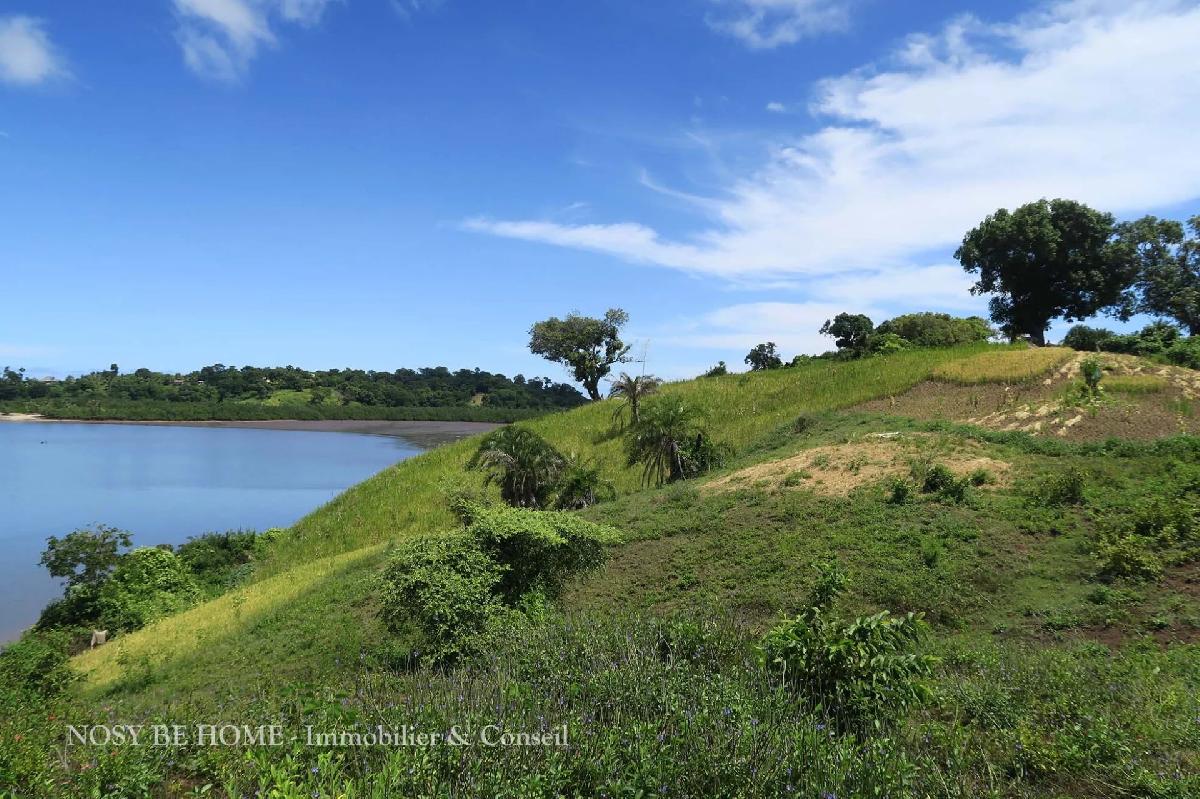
(1096, 100)
(407, 8)
(766, 24)
(220, 38)
(27, 57)
(776, 107)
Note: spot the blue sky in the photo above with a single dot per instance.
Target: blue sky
(385, 183)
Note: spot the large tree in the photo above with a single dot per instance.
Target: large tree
(1169, 268)
(1045, 260)
(588, 346)
(851, 332)
(763, 356)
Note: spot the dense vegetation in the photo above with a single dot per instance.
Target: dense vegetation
(708, 657)
(226, 392)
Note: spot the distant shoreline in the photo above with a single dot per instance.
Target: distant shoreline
(424, 434)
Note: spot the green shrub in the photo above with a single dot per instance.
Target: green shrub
(581, 485)
(859, 672)
(899, 491)
(445, 584)
(1065, 487)
(147, 584)
(981, 477)
(936, 329)
(216, 559)
(933, 477)
(1185, 352)
(1092, 372)
(1088, 339)
(454, 585)
(39, 662)
(538, 550)
(1131, 556)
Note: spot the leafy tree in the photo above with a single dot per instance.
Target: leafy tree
(85, 557)
(1045, 260)
(1169, 273)
(851, 332)
(632, 390)
(522, 463)
(1088, 339)
(928, 329)
(148, 583)
(717, 371)
(588, 346)
(763, 356)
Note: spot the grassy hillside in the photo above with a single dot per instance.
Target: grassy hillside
(653, 659)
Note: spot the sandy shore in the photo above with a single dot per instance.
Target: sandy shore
(423, 434)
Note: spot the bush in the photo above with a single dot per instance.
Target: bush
(1185, 352)
(147, 584)
(1092, 372)
(1129, 556)
(936, 329)
(215, 559)
(538, 550)
(581, 485)
(445, 585)
(899, 491)
(859, 672)
(454, 585)
(1088, 339)
(935, 478)
(39, 663)
(1065, 487)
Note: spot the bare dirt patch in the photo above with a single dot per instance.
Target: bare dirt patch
(1043, 407)
(838, 469)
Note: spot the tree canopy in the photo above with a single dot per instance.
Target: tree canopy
(763, 356)
(851, 332)
(1049, 259)
(589, 347)
(1169, 268)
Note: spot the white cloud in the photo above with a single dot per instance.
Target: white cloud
(27, 57)
(766, 24)
(220, 38)
(406, 8)
(792, 326)
(1095, 100)
(776, 108)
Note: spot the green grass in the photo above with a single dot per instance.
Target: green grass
(1134, 384)
(654, 660)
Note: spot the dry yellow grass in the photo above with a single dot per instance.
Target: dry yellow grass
(838, 469)
(1004, 366)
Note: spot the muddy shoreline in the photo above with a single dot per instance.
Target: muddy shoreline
(423, 434)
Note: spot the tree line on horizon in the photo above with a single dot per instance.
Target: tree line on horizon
(430, 387)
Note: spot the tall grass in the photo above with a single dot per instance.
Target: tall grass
(1003, 366)
(408, 499)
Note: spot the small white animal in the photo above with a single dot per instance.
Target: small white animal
(99, 637)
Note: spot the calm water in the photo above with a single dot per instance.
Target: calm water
(163, 484)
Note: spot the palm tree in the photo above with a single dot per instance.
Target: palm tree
(524, 465)
(633, 390)
(581, 485)
(657, 440)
